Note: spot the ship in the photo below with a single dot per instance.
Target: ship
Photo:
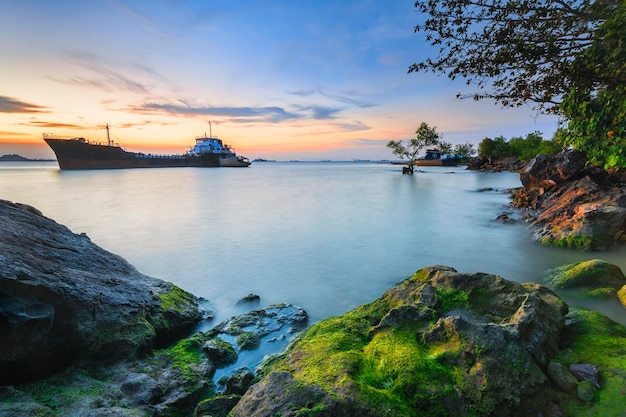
(79, 153)
(434, 157)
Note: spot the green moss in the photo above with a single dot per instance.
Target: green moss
(129, 338)
(569, 241)
(176, 299)
(602, 293)
(594, 273)
(248, 340)
(54, 395)
(447, 299)
(595, 339)
(389, 370)
(314, 411)
(186, 356)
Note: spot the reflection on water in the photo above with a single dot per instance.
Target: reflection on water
(325, 236)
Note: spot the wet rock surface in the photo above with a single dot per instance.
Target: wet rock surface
(64, 299)
(593, 278)
(203, 374)
(571, 204)
(441, 343)
(446, 343)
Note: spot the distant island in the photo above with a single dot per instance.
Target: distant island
(20, 158)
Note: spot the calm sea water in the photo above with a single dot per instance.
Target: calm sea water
(326, 236)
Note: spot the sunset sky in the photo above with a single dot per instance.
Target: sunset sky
(278, 79)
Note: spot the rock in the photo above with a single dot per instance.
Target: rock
(220, 352)
(63, 299)
(505, 218)
(560, 375)
(248, 340)
(597, 278)
(172, 381)
(439, 343)
(585, 372)
(280, 395)
(570, 204)
(548, 171)
(218, 406)
(586, 392)
(239, 383)
(249, 299)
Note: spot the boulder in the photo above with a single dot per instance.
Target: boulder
(586, 392)
(64, 299)
(585, 372)
(596, 278)
(218, 406)
(281, 395)
(561, 376)
(439, 343)
(249, 299)
(174, 381)
(571, 204)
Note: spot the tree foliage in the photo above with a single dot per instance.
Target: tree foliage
(568, 57)
(597, 117)
(515, 51)
(464, 150)
(524, 149)
(424, 136)
(444, 147)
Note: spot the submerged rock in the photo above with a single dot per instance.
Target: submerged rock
(64, 299)
(173, 381)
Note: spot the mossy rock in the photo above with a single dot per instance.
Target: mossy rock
(440, 343)
(595, 339)
(220, 352)
(596, 277)
(248, 340)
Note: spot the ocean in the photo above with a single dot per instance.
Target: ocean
(326, 236)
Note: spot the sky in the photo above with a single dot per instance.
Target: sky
(275, 79)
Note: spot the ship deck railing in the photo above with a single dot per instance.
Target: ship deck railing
(159, 156)
(83, 140)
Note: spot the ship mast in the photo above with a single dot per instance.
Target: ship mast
(210, 130)
(108, 136)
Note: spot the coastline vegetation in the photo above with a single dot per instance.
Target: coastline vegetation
(567, 59)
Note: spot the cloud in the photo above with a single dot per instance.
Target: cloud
(369, 143)
(107, 80)
(353, 126)
(13, 105)
(319, 112)
(346, 98)
(53, 125)
(269, 114)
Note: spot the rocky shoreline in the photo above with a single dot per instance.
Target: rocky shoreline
(82, 332)
(567, 202)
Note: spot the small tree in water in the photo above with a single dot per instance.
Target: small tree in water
(424, 136)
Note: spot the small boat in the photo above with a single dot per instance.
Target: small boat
(79, 153)
(435, 158)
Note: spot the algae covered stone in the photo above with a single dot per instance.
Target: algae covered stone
(440, 343)
(596, 278)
